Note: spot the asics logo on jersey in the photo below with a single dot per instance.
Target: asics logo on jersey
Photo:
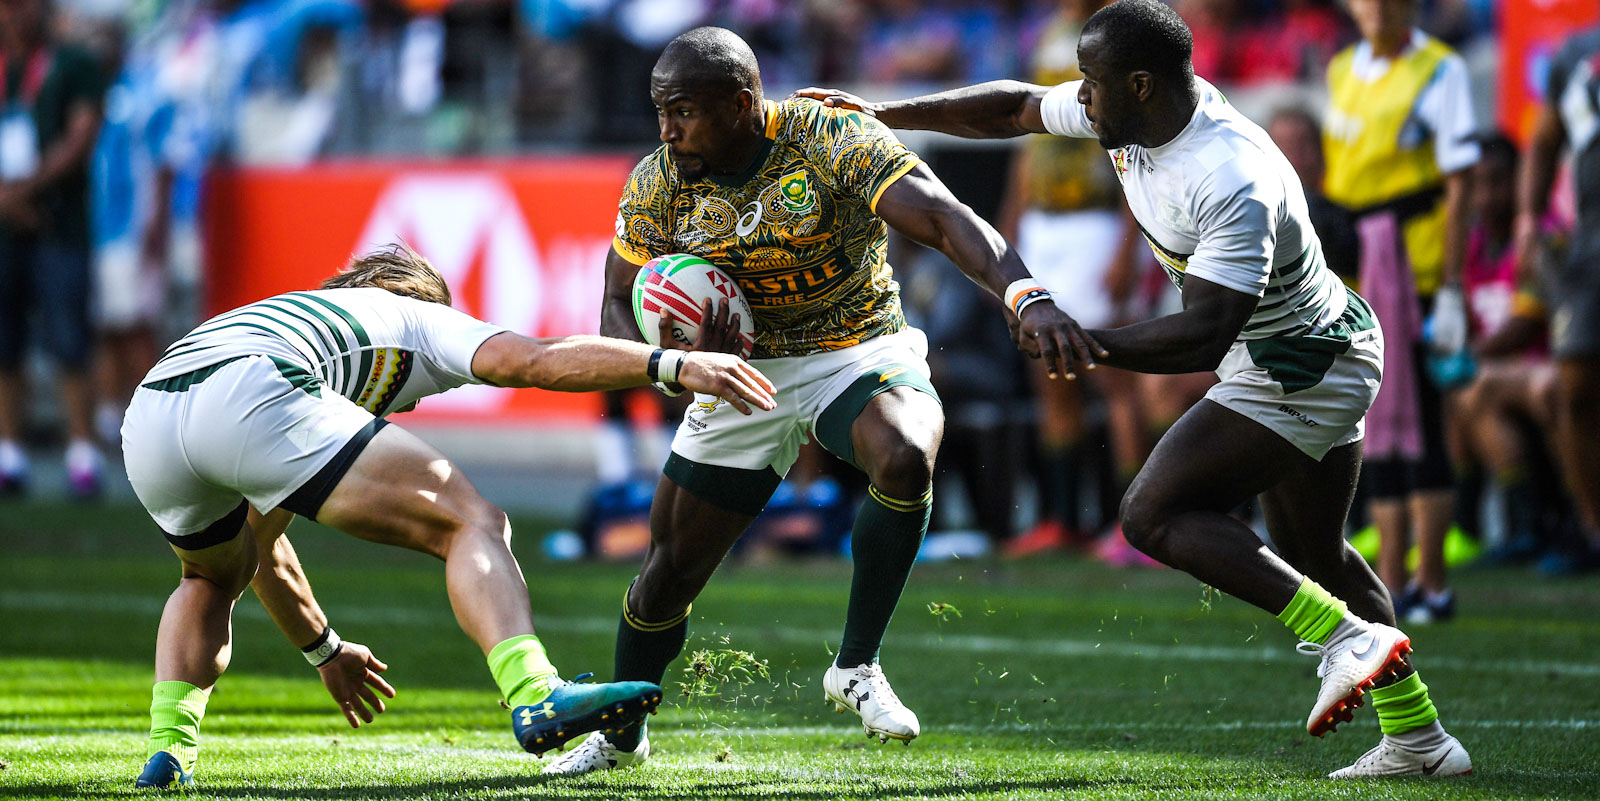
(888, 374)
(1363, 654)
(859, 698)
(749, 219)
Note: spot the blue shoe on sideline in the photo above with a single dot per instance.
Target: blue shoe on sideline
(163, 772)
(573, 710)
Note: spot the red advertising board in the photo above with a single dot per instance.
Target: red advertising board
(1531, 31)
(522, 243)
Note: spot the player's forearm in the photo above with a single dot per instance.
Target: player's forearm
(585, 363)
(285, 593)
(975, 247)
(986, 111)
(1186, 342)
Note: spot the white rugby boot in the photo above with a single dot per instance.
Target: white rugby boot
(1389, 759)
(1350, 664)
(597, 753)
(864, 690)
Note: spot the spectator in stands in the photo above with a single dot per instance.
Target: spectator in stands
(1064, 210)
(912, 42)
(1512, 393)
(1399, 157)
(1566, 118)
(50, 108)
(1297, 133)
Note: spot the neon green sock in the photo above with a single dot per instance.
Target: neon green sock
(1313, 613)
(176, 708)
(522, 670)
(1404, 705)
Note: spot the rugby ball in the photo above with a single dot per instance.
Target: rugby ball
(679, 284)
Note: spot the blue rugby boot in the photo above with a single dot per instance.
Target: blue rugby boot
(573, 710)
(162, 772)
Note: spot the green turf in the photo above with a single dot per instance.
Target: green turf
(1059, 679)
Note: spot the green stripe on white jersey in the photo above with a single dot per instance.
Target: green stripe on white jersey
(373, 347)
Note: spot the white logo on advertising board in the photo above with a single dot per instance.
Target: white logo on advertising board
(470, 226)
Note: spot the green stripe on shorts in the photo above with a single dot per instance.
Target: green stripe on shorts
(833, 425)
(1301, 362)
(733, 488)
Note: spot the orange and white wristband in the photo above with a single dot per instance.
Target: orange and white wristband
(1023, 293)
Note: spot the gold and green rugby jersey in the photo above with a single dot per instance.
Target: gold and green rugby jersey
(797, 230)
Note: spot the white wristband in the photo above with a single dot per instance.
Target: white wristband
(671, 362)
(668, 390)
(1022, 293)
(324, 649)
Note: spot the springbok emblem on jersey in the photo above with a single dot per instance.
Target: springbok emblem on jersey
(796, 189)
(704, 407)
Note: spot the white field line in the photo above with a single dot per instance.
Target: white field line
(37, 601)
(255, 741)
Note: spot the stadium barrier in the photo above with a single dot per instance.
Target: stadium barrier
(522, 243)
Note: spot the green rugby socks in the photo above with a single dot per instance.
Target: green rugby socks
(1404, 705)
(884, 542)
(176, 708)
(1313, 613)
(522, 670)
(644, 649)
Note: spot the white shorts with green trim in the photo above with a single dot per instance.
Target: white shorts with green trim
(1308, 390)
(250, 427)
(715, 433)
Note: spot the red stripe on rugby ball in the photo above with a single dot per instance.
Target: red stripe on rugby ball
(691, 314)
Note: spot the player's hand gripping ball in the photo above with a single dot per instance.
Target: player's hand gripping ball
(678, 285)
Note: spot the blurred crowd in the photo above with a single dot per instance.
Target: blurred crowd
(159, 91)
(286, 81)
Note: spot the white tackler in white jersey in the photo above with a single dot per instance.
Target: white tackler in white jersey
(1220, 202)
(380, 350)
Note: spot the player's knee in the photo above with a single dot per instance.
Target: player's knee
(1144, 517)
(244, 571)
(232, 574)
(662, 592)
(480, 523)
(904, 468)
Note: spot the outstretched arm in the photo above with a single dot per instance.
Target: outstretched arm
(919, 206)
(351, 676)
(993, 110)
(587, 363)
(1191, 341)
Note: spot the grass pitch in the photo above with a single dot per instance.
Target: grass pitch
(1054, 679)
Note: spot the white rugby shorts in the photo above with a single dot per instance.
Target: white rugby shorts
(254, 427)
(1315, 399)
(715, 433)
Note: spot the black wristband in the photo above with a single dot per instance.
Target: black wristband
(653, 369)
(324, 648)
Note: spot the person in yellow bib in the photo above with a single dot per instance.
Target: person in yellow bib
(1399, 159)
